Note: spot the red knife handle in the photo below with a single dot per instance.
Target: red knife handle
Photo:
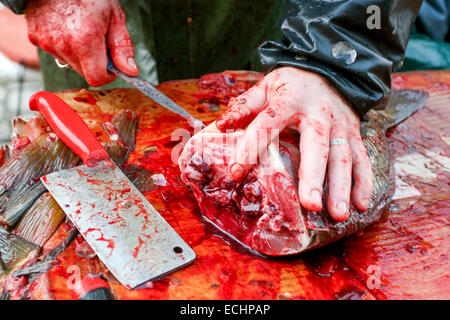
(68, 126)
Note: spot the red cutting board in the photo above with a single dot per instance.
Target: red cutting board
(403, 256)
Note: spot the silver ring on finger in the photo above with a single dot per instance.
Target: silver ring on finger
(336, 141)
(62, 65)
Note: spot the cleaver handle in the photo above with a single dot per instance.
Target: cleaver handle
(68, 126)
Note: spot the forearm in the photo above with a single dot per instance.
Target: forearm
(17, 6)
(313, 28)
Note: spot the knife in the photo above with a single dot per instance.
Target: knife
(128, 235)
(153, 93)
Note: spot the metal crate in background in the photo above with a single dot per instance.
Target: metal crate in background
(17, 84)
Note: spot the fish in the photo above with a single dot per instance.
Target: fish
(262, 211)
(122, 132)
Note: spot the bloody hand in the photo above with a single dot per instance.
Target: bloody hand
(78, 33)
(305, 101)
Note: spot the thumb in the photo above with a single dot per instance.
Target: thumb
(120, 45)
(243, 109)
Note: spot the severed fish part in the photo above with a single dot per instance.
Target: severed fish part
(42, 219)
(19, 176)
(122, 132)
(26, 131)
(14, 251)
(263, 211)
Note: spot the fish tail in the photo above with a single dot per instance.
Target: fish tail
(14, 250)
(401, 105)
(2, 266)
(122, 132)
(39, 222)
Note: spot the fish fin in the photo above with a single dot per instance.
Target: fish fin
(40, 221)
(14, 250)
(2, 266)
(122, 132)
(401, 105)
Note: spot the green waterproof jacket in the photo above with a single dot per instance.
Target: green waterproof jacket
(187, 38)
(356, 44)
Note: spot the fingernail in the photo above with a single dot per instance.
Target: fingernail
(316, 197)
(342, 206)
(132, 63)
(236, 171)
(366, 202)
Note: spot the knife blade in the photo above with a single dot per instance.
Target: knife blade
(154, 94)
(128, 235)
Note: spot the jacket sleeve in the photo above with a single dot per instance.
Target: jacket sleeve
(356, 44)
(17, 6)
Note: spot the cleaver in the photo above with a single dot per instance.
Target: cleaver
(128, 235)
